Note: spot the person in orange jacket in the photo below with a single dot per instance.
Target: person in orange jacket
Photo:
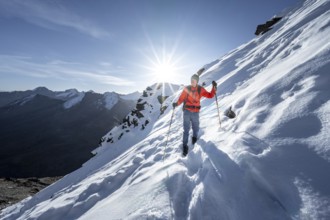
(191, 96)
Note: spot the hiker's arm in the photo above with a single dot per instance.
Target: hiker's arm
(208, 94)
(182, 96)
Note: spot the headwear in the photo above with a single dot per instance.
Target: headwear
(195, 76)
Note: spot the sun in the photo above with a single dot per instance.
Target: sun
(163, 66)
(164, 71)
(163, 63)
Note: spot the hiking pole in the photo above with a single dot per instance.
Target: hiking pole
(168, 133)
(216, 99)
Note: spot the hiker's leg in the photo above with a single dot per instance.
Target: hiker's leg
(195, 123)
(186, 126)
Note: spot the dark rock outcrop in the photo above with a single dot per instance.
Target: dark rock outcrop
(263, 28)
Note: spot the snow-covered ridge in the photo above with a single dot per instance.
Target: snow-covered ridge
(111, 99)
(74, 100)
(131, 96)
(67, 93)
(149, 107)
(271, 162)
(71, 97)
(24, 100)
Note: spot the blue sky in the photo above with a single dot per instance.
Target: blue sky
(120, 45)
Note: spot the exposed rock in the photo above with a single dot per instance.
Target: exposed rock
(161, 99)
(14, 190)
(137, 113)
(140, 106)
(263, 28)
(230, 113)
(120, 136)
(145, 94)
(146, 122)
(162, 109)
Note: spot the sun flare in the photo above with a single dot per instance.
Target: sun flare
(164, 72)
(163, 64)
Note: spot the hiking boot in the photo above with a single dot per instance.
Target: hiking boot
(185, 150)
(194, 140)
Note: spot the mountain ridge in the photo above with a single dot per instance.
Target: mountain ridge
(37, 131)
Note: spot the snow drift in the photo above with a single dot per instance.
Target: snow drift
(271, 162)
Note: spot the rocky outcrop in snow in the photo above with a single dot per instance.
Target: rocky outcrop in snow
(147, 110)
(263, 28)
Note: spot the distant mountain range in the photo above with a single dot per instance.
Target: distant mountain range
(47, 133)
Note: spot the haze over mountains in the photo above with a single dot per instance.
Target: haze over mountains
(45, 133)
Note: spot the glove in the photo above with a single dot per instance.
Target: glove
(214, 84)
(174, 104)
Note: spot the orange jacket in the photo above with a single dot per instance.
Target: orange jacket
(192, 98)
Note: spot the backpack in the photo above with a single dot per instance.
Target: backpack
(199, 88)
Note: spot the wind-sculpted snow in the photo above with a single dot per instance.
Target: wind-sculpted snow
(271, 161)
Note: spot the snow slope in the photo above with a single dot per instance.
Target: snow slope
(138, 123)
(271, 162)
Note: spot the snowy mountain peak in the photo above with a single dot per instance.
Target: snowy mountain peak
(74, 100)
(24, 100)
(71, 97)
(111, 98)
(131, 96)
(68, 93)
(41, 89)
(271, 162)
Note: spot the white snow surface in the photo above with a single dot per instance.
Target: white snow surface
(67, 94)
(24, 100)
(271, 162)
(71, 97)
(111, 99)
(131, 96)
(75, 100)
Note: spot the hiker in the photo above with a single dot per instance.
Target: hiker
(191, 96)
